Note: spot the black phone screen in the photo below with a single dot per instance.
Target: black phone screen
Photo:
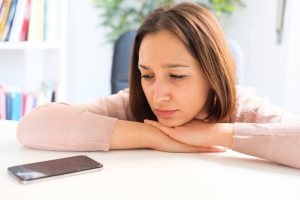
(52, 168)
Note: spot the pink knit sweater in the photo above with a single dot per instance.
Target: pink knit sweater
(261, 129)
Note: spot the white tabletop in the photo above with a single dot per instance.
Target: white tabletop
(146, 174)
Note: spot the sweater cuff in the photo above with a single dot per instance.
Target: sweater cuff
(100, 130)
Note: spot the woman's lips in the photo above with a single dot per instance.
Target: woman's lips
(164, 112)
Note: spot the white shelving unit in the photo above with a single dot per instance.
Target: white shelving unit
(29, 45)
(27, 64)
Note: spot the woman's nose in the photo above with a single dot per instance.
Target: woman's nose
(161, 92)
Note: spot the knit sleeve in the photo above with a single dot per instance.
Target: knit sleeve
(265, 130)
(84, 127)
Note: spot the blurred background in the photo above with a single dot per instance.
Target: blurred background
(265, 34)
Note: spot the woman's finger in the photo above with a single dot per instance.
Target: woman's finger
(212, 149)
(190, 149)
(170, 145)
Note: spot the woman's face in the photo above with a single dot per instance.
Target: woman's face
(172, 79)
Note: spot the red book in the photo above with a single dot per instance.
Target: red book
(25, 26)
(24, 99)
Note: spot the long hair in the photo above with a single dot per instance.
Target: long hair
(199, 30)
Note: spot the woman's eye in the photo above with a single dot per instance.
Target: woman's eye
(147, 76)
(174, 76)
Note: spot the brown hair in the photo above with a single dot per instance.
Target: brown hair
(199, 30)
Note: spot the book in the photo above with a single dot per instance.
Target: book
(25, 23)
(16, 105)
(1, 4)
(33, 21)
(41, 21)
(29, 104)
(3, 14)
(36, 22)
(9, 21)
(16, 28)
(24, 99)
(45, 20)
(52, 20)
(7, 106)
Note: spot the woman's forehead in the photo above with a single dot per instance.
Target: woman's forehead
(164, 47)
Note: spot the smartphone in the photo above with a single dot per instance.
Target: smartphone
(52, 169)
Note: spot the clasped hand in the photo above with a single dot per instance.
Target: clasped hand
(213, 137)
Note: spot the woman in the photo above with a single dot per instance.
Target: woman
(182, 98)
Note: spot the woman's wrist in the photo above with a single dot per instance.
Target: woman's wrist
(224, 135)
(132, 135)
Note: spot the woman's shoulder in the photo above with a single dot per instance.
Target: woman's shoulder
(254, 109)
(114, 105)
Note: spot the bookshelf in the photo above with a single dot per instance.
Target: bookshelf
(26, 64)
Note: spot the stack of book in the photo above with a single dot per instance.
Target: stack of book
(28, 20)
(14, 103)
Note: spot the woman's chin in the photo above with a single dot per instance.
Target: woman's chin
(169, 122)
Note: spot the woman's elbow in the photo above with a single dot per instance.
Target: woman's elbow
(35, 127)
(22, 134)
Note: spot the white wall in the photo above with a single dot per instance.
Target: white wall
(292, 95)
(89, 57)
(270, 67)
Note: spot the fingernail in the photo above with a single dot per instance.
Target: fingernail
(218, 149)
(221, 149)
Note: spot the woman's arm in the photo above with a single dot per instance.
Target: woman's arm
(84, 127)
(59, 126)
(278, 142)
(265, 130)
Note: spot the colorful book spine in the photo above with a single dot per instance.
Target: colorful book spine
(29, 20)
(52, 20)
(41, 21)
(9, 20)
(33, 21)
(25, 24)
(1, 4)
(36, 22)
(3, 14)
(16, 28)
(7, 106)
(46, 16)
(14, 103)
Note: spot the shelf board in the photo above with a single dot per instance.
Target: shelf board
(28, 45)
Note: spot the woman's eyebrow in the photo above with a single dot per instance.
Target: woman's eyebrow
(143, 67)
(166, 66)
(176, 65)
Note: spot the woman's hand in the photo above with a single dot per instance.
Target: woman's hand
(133, 135)
(199, 133)
(163, 142)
